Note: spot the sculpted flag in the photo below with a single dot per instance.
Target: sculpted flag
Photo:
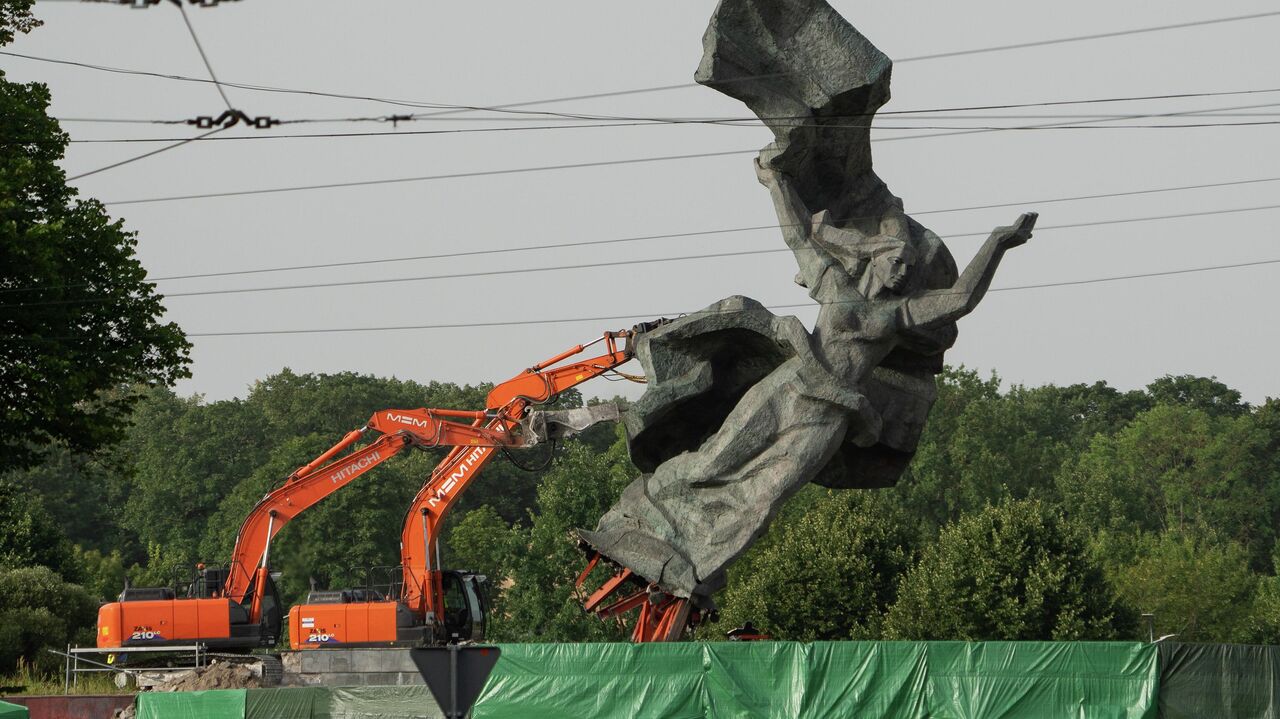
(744, 407)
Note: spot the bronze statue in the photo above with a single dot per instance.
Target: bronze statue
(745, 407)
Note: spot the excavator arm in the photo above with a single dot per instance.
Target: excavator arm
(508, 405)
(473, 435)
(316, 480)
(303, 488)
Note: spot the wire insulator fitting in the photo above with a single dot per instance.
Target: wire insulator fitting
(230, 118)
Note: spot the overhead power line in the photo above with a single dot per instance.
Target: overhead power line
(166, 148)
(712, 255)
(636, 315)
(506, 107)
(640, 238)
(608, 318)
(180, 142)
(616, 263)
(567, 166)
(929, 113)
(472, 130)
(203, 55)
(1094, 36)
(679, 235)
(917, 58)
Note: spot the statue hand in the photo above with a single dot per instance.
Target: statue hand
(766, 175)
(1018, 233)
(765, 172)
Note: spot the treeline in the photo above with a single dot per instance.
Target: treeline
(1032, 513)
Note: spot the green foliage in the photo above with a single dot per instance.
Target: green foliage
(980, 446)
(830, 574)
(1017, 570)
(1206, 394)
(102, 575)
(15, 17)
(1181, 468)
(30, 536)
(164, 567)
(539, 604)
(80, 320)
(1199, 588)
(38, 610)
(482, 542)
(75, 490)
(1264, 620)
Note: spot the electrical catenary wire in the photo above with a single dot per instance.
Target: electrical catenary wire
(612, 263)
(636, 315)
(157, 151)
(918, 58)
(204, 56)
(470, 130)
(548, 168)
(666, 236)
(727, 121)
(178, 142)
(454, 108)
(949, 132)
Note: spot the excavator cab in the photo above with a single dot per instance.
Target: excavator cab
(465, 606)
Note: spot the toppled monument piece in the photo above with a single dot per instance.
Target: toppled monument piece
(816, 82)
(743, 407)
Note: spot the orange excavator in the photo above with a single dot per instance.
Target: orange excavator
(426, 603)
(236, 606)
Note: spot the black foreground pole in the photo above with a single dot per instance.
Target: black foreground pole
(455, 674)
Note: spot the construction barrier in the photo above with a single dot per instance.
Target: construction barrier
(1219, 680)
(692, 680)
(210, 704)
(892, 680)
(826, 679)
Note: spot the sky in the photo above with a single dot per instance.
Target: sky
(483, 54)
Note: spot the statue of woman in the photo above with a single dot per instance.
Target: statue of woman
(683, 524)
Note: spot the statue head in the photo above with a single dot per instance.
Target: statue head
(889, 261)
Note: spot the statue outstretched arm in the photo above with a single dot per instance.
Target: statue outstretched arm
(938, 307)
(797, 225)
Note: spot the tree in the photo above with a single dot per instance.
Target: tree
(15, 17)
(980, 446)
(1198, 587)
(29, 536)
(1017, 571)
(1264, 620)
(37, 610)
(101, 575)
(830, 573)
(78, 320)
(1180, 468)
(539, 605)
(1206, 394)
(75, 490)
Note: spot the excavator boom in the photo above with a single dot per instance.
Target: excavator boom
(420, 614)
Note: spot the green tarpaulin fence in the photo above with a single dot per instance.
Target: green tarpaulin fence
(893, 680)
(907, 680)
(691, 680)
(212, 704)
(1219, 680)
